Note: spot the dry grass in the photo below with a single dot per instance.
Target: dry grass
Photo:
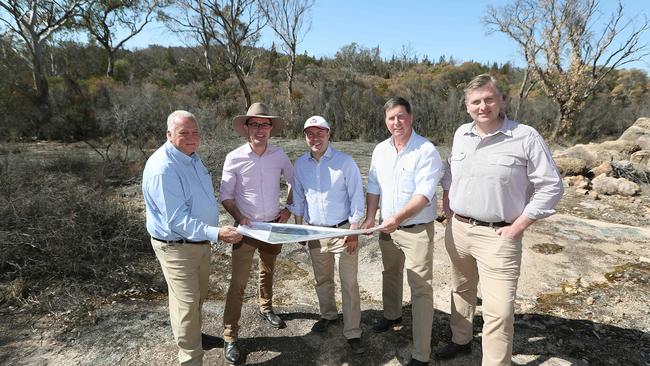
(66, 235)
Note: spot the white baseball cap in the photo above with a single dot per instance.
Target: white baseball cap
(316, 121)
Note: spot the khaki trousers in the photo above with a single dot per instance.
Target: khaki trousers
(186, 268)
(323, 255)
(242, 260)
(411, 248)
(478, 252)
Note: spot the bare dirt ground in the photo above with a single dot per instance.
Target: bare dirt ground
(583, 299)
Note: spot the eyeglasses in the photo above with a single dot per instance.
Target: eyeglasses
(257, 126)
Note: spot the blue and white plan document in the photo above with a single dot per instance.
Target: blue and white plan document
(274, 233)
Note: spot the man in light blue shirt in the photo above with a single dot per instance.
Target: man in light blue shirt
(404, 173)
(327, 191)
(182, 219)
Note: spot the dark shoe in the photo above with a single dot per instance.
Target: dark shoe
(322, 324)
(356, 346)
(231, 352)
(452, 350)
(273, 319)
(415, 362)
(209, 342)
(384, 324)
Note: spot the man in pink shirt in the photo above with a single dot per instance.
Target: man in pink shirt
(250, 191)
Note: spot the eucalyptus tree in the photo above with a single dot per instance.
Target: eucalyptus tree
(30, 24)
(234, 25)
(105, 19)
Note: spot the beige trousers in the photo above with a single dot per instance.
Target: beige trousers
(186, 268)
(323, 255)
(242, 260)
(478, 252)
(411, 248)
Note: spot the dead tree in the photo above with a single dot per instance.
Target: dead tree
(288, 19)
(566, 49)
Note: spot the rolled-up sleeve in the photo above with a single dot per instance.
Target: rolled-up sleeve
(545, 178)
(428, 173)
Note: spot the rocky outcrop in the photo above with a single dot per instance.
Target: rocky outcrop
(607, 185)
(633, 145)
(641, 160)
(571, 166)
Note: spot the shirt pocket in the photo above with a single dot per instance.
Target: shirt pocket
(456, 162)
(502, 168)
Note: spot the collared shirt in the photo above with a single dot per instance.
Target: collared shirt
(328, 191)
(396, 177)
(253, 181)
(502, 175)
(179, 196)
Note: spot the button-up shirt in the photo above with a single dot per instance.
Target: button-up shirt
(253, 181)
(179, 196)
(502, 175)
(328, 191)
(396, 177)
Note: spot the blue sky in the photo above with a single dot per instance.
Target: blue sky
(433, 28)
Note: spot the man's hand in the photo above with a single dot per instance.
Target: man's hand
(445, 205)
(283, 216)
(389, 225)
(508, 232)
(368, 224)
(351, 243)
(229, 234)
(516, 229)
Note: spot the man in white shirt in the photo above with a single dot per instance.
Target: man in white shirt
(403, 176)
(327, 191)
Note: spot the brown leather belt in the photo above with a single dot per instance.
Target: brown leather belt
(181, 241)
(344, 222)
(469, 220)
(412, 225)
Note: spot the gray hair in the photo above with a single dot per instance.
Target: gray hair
(481, 81)
(176, 115)
(396, 102)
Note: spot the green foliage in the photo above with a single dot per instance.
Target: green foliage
(348, 89)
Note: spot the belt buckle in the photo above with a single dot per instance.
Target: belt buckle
(472, 221)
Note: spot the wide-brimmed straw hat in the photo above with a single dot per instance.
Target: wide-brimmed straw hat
(257, 110)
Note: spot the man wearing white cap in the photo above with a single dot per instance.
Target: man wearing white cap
(250, 191)
(327, 191)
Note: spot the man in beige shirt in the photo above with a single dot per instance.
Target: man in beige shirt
(502, 178)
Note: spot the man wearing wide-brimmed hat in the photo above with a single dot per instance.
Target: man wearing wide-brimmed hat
(250, 191)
